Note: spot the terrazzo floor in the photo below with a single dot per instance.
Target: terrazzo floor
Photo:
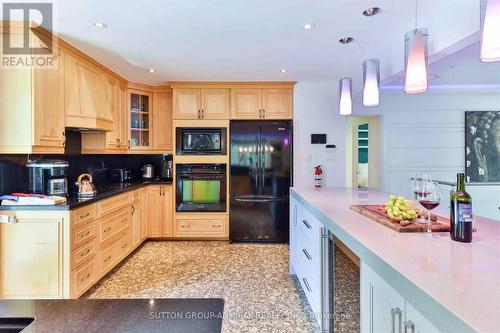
(253, 279)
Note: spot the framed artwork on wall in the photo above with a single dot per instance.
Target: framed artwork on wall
(482, 146)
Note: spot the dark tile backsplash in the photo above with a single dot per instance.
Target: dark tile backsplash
(14, 174)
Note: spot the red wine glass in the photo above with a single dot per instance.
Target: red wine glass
(429, 198)
(417, 184)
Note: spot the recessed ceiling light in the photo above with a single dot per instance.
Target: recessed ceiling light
(100, 25)
(151, 70)
(283, 70)
(308, 26)
(371, 11)
(346, 40)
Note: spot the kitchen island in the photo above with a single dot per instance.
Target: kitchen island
(429, 281)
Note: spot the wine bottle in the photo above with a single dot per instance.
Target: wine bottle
(461, 212)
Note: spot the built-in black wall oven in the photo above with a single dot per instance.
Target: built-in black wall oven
(201, 141)
(200, 188)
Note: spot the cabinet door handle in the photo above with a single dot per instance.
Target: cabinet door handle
(263, 113)
(394, 312)
(85, 215)
(202, 114)
(306, 224)
(64, 139)
(308, 287)
(308, 256)
(128, 144)
(409, 326)
(133, 209)
(199, 114)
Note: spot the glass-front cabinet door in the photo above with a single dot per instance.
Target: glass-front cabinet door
(139, 105)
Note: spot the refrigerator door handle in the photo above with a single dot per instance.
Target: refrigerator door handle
(257, 162)
(263, 162)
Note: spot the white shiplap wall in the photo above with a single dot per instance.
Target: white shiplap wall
(425, 133)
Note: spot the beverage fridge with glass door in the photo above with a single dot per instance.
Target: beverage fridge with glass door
(260, 180)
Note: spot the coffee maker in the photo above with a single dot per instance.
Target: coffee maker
(48, 177)
(166, 168)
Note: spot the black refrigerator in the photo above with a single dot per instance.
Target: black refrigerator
(260, 180)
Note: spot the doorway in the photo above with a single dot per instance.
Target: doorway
(363, 152)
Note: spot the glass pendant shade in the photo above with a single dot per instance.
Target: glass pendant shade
(345, 89)
(416, 68)
(371, 80)
(490, 34)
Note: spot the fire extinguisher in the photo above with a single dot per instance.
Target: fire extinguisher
(317, 176)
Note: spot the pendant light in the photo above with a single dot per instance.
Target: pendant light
(371, 82)
(345, 85)
(345, 90)
(371, 72)
(490, 40)
(416, 67)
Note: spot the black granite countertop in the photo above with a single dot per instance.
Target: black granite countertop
(202, 315)
(103, 192)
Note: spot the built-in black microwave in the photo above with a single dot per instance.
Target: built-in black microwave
(201, 141)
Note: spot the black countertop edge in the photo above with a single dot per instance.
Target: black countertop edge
(103, 193)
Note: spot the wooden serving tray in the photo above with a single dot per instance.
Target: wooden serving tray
(378, 214)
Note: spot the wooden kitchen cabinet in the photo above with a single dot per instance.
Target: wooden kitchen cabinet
(201, 103)
(139, 218)
(277, 103)
(261, 103)
(140, 120)
(160, 211)
(215, 103)
(32, 116)
(162, 121)
(203, 226)
(187, 103)
(31, 251)
(246, 103)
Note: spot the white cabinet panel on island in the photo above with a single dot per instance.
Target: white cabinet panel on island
(383, 309)
(305, 254)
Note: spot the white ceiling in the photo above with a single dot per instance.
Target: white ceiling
(255, 39)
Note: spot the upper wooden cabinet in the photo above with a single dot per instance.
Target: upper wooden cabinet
(246, 103)
(31, 119)
(277, 104)
(264, 103)
(201, 103)
(140, 120)
(162, 121)
(215, 103)
(86, 104)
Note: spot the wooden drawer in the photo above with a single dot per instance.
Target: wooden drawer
(83, 234)
(207, 227)
(114, 203)
(83, 278)
(83, 253)
(112, 224)
(82, 215)
(135, 195)
(112, 255)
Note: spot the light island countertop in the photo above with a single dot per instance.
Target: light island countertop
(455, 285)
